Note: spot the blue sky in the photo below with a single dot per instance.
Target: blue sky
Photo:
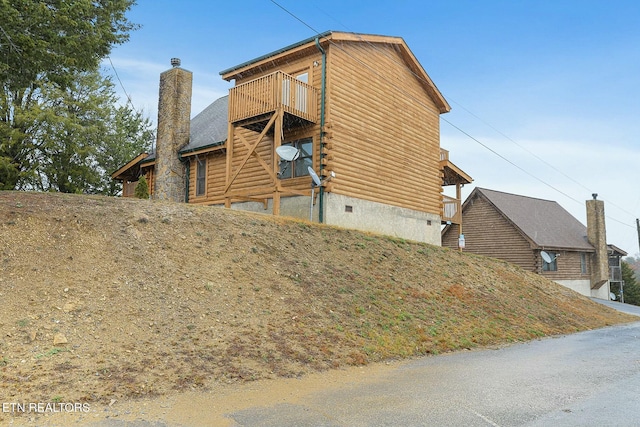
(549, 85)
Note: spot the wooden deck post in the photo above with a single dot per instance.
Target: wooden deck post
(277, 142)
(229, 164)
(459, 197)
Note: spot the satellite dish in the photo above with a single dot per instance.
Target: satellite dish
(314, 176)
(612, 296)
(288, 152)
(546, 257)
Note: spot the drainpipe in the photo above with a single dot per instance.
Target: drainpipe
(322, 99)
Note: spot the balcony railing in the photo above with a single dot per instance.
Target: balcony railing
(444, 154)
(615, 273)
(266, 94)
(451, 210)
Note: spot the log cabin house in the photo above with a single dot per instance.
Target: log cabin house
(518, 229)
(362, 113)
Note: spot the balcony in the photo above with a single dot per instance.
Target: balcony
(451, 210)
(452, 175)
(253, 103)
(615, 273)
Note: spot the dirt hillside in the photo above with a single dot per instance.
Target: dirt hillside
(107, 298)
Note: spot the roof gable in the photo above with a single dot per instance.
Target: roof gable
(329, 39)
(544, 222)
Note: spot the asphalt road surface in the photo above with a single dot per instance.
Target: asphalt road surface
(585, 379)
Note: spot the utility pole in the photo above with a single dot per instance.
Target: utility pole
(638, 226)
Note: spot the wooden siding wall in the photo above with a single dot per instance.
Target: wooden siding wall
(384, 129)
(488, 233)
(216, 176)
(569, 267)
(129, 188)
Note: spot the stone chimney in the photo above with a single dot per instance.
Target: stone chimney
(174, 119)
(597, 237)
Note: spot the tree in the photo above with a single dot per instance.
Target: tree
(47, 42)
(631, 285)
(78, 136)
(130, 133)
(634, 263)
(142, 188)
(55, 37)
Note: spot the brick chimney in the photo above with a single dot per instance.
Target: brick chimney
(597, 237)
(174, 116)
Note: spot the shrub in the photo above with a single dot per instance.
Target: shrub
(142, 188)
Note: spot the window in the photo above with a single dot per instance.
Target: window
(300, 166)
(201, 177)
(583, 263)
(550, 266)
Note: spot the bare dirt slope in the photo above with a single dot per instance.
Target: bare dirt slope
(106, 298)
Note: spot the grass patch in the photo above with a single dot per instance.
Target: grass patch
(51, 352)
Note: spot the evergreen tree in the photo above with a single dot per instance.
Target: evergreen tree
(47, 43)
(631, 285)
(78, 136)
(130, 133)
(142, 188)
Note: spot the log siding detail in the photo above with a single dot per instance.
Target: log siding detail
(388, 126)
(489, 233)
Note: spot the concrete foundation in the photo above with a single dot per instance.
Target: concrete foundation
(583, 287)
(349, 212)
(296, 207)
(357, 214)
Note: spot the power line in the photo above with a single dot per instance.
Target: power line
(509, 161)
(130, 102)
(534, 155)
(121, 85)
(392, 59)
(418, 101)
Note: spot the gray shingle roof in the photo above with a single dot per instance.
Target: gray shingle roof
(544, 222)
(209, 127)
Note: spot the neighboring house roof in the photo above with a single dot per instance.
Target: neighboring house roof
(544, 222)
(338, 36)
(614, 250)
(125, 172)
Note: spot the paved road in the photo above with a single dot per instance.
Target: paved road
(585, 379)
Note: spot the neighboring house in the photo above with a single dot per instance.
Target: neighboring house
(518, 229)
(360, 109)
